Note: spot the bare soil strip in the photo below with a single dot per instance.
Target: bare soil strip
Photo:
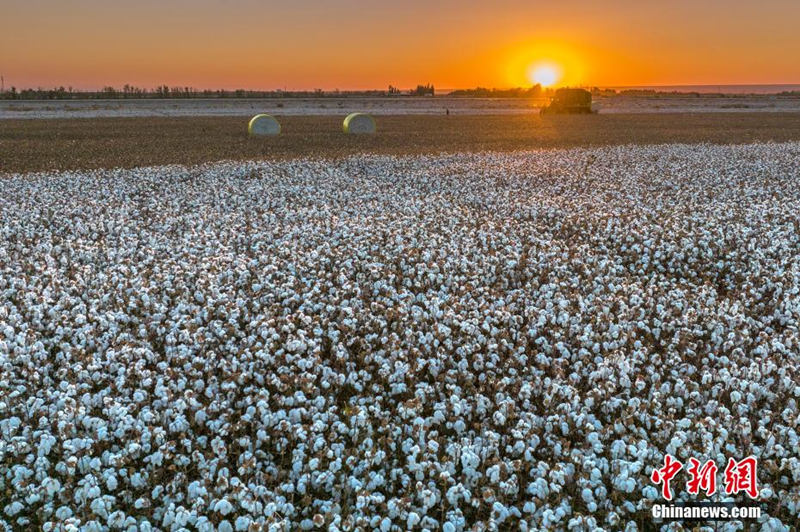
(64, 144)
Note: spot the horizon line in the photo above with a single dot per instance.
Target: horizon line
(445, 90)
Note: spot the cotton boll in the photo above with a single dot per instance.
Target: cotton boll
(13, 509)
(222, 506)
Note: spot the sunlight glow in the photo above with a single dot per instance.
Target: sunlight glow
(544, 74)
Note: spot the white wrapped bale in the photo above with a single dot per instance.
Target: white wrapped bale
(263, 125)
(359, 124)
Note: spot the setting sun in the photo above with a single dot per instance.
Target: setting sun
(545, 75)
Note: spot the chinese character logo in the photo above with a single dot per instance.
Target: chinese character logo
(665, 474)
(703, 478)
(740, 476)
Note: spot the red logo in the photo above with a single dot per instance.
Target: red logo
(703, 478)
(665, 474)
(739, 476)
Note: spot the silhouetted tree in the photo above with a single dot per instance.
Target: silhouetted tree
(423, 90)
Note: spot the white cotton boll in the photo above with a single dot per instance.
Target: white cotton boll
(650, 493)
(182, 517)
(63, 513)
(204, 525)
(138, 480)
(196, 490)
(494, 474)
(386, 524)
(773, 525)
(116, 519)
(549, 518)
(99, 507)
(156, 458)
(46, 444)
(499, 511)
(296, 346)
(499, 418)
(93, 526)
(51, 487)
(13, 509)
(169, 518)
(223, 506)
(428, 498)
(412, 520)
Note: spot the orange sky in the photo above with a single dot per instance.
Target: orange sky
(350, 44)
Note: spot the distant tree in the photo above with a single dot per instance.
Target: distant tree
(535, 91)
(423, 90)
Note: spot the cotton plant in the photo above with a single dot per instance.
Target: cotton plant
(456, 342)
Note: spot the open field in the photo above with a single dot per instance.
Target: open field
(513, 340)
(660, 103)
(27, 145)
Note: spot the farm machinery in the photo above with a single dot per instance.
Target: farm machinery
(569, 101)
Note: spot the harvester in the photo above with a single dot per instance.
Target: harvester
(569, 101)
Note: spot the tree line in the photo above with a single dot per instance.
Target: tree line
(167, 92)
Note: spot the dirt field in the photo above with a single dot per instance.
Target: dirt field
(28, 145)
(391, 106)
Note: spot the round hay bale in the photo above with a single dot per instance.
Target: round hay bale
(263, 125)
(359, 123)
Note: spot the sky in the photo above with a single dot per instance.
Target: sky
(350, 44)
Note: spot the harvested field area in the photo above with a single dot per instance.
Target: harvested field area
(27, 145)
(504, 341)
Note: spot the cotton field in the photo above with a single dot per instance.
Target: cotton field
(476, 341)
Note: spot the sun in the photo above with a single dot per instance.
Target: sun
(544, 74)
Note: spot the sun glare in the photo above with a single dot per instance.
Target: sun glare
(545, 75)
